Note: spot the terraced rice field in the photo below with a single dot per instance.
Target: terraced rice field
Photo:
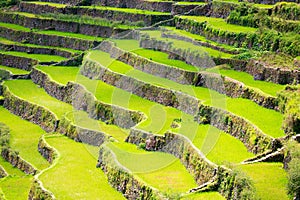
(122, 100)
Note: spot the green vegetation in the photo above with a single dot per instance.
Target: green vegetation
(14, 71)
(266, 87)
(269, 180)
(37, 95)
(269, 121)
(17, 184)
(24, 138)
(294, 169)
(157, 169)
(81, 179)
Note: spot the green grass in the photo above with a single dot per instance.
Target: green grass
(38, 57)
(269, 179)
(82, 119)
(77, 165)
(24, 138)
(266, 87)
(37, 95)
(190, 3)
(269, 121)
(69, 73)
(17, 184)
(221, 24)
(14, 71)
(16, 188)
(160, 170)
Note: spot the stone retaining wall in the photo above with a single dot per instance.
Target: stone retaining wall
(160, 6)
(59, 25)
(47, 40)
(13, 158)
(17, 62)
(260, 71)
(36, 50)
(79, 134)
(38, 192)
(81, 99)
(223, 85)
(113, 15)
(29, 111)
(46, 150)
(167, 97)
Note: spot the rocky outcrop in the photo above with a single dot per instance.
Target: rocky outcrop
(252, 137)
(167, 97)
(60, 25)
(17, 62)
(37, 191)
(122, 179)
(46, 40)
(29, 111)
(261, 71)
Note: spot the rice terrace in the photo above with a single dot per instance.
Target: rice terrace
(150, 99)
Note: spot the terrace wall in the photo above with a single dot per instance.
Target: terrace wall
(162, 6)
(113, 15)
(261, 71)
(81, 99)
(35, 50)
(46, 150)
(37, 191)
(79, 134)
(29, 111)
(211, 9)
(181, 101)
(17, 62)
(46, 40)
(223, 85)
(59, 25)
